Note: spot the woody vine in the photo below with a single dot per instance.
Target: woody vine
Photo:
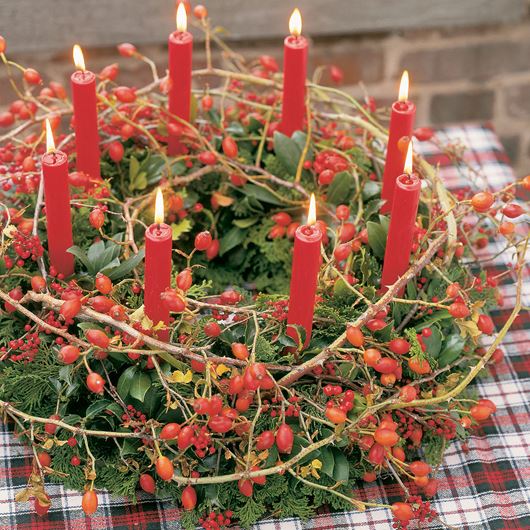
(231, 399)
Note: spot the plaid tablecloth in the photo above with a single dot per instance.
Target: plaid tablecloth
(485, 487)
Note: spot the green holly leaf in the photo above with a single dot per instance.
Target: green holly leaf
(177, 229)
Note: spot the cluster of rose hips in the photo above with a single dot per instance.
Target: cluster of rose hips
(216, 521)
(327, 164)
(284, 226)
(342, 402)
(25, 247)
(23, 349)
(132, 418)
(244, 386)
(274, 407)
(483, 202)
(205, 243)
(279, 310)
(414, 509)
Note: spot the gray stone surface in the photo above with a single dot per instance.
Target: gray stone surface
(58, 24)
(462, 106)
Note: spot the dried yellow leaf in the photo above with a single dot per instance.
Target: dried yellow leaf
(180, 377)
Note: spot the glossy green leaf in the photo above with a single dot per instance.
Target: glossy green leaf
(341, 189)
(434, 342)
(124, 382)
(261, 194)
(328, 462)
(341, 468)
(234, 237)
(452, 349)
(245, 223)
(287, 151)
(376, 238)
(97, 407)
(140, 384)
(127, 266)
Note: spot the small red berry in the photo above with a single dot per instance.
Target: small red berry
(89, 502)
(164, 468)
(70, 308)
(208, 158)
(95, 383)
(38, 284)
(285, 438)
(97, 338)
(200, 12)
(103, 283)
(482, 201)
(147, 483)
(485, 324)
(116, 151)
(50, 428)
(203, 240)
(184, 279)
(189, 498)
(32, 77)
(126, 49)
(229, 147)
(96, 218)
(68, 354)
(212, 329)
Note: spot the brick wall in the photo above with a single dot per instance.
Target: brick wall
(472, 74)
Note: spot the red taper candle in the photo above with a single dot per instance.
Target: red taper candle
(158, 260)
(402, 222)
(84, 99)
(294, 77)
(57, 200)
(304, 276)
(180, 61)
(401, 125)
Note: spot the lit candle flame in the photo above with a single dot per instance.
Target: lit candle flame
(404, 86)
(182, 18)
(408, 160)
(312, 213)
(50, 143)
(79, 60)
(295, 23)
(159, 207)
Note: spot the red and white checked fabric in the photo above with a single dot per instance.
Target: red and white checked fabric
(485, 488)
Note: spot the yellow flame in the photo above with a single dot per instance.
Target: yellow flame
(295, 23)
(404, 86)
(50, 143)
(312, 213)
(182, 17)
(79, 60)
(159, 207)
(408, 161)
